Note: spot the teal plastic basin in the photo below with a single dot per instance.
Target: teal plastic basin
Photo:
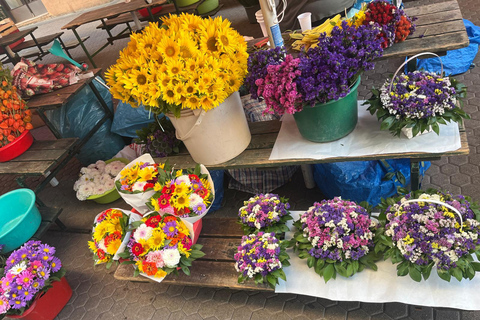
(19, 218)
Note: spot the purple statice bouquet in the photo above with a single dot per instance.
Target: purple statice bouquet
(321, 74)
(265, 212)
(336, 236)
(261, 257)
(422, 230)
(417, 101)
(28, 273)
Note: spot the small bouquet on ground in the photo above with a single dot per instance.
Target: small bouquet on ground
(265, 212)
(97, 178)
(261, 257)
(417, 102)
(110, 235)
(159, 245)
(29, 272)
(159, 138)
(139, 180)
(336, 236)
(395, 25)
(187, 194)
(15, 118)
(422, 230)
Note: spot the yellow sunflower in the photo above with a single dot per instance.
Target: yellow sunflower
(169, 48)
(147, 173)
(169, 95)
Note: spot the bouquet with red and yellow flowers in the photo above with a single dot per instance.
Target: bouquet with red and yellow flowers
(161, 245)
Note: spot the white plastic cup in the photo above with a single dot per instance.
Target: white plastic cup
(305, 20)
(261, 22)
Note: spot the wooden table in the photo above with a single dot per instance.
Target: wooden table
(7, 40)
(440, 28)
(105, 13)
(220, 238)
(47, 158)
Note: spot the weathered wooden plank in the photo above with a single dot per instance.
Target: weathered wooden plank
(43, 155)
(221, 227)
(439, 17)
(110, 12)
(437, 29)
(219, 248)
(65, 143)
(261, 141)
(437, 43)
(260, 127)
(27, 168)
(417, 11)
(203, 273)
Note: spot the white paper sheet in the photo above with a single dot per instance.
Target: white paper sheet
(366, 139)
(378, 286)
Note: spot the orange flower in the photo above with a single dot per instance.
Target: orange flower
(150, 268)
(10, 138)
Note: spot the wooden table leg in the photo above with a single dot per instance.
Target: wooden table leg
(83, 47)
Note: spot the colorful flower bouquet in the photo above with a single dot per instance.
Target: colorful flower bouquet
(262, 257)
(161, 245)
(265, 212)
(422, 230)
(97, 178)
(139, 180)
(395, 25)
(414, 102)
(29, 273)
(110, 235)
(188, 62)
(321, 74)
(187, 194)
(15, 118)
(336, 236)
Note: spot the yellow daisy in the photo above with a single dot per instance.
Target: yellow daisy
(147, 173)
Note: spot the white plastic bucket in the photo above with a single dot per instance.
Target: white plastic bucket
(214, 136)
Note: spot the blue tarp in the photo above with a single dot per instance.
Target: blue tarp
(455, 61)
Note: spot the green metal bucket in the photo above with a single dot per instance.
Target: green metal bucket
(329, 121)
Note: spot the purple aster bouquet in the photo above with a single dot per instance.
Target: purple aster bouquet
(28, 273)
(261, 257)
(336, 236)
(159, 138)
(422, 230)
(265, 212)
(417, 101)
(324, 73)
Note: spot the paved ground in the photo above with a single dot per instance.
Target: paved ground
(97, 295)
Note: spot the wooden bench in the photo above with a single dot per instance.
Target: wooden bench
(220, 238)
(43, 158)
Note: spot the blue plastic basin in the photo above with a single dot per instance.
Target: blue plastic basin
(19, 218)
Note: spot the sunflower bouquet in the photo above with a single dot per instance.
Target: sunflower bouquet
(109, 231)
(188, 62)
(159, 245)
(187, 194)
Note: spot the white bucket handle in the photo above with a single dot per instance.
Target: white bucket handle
(190, 132)
(436, 202)
(411, 58)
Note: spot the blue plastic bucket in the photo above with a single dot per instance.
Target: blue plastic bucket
(19, 218)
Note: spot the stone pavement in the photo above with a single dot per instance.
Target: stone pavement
(97, 295)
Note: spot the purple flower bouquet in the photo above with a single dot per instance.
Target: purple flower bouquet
(28, 273)
(321, 74)
(265, 212)
(422, 230)
(417, 101)
(261, 257)
(336, 236)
